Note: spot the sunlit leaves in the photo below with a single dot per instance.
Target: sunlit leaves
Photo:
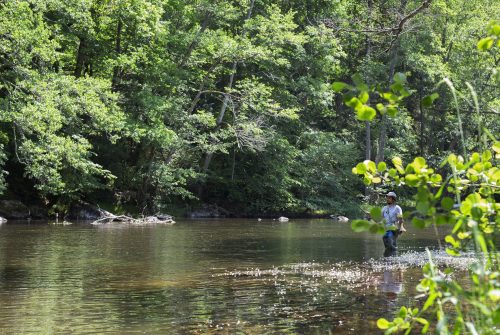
(358, 96)
(405, 317)
(340, 86)
(376, 213)
(447, 203)
(370, 226)
(429, 100)
(382, 323)
(485, 43)
(360, 225)
(365, 113)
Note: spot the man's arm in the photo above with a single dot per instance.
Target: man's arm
(401, 227)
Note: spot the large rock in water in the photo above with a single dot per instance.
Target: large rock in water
(13, 209)
(86, 211)
(209, 211)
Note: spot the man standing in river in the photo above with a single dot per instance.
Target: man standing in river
(393, 215)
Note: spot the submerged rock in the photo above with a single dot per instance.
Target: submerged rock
(283, 219)
(14, 209)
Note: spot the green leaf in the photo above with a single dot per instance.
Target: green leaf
(452, 252)
(339, 86)
(358, 81)
(400, 78)
(423, 206)
(403, 312)
(430, 301)
(419, 223)
(428, 100)
(449, 239)
(363, 97)
(411, 179)
(423, 322)
(482, 243)
(391, 97)
(496, 147)
(486, 156)
(365, 113)
(447, 203)
(419, 162)
(476, 212)
(376, 213)
(436, 178)
(353, 103)
(360, 225)
(392, 110)
(485, 43)
(361, 168)
(494, 29)
(382, 323)
(370, 165)
(397, 161)
(382, 166)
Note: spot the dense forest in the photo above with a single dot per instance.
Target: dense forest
(164, 105)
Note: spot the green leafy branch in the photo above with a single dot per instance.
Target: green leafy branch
(357, 96)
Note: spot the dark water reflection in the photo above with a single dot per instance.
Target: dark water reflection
(199, 277)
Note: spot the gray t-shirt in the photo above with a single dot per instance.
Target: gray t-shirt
(391, 214)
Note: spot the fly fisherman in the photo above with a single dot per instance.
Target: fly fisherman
(393, 215)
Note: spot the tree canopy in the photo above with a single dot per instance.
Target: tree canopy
(156, 103)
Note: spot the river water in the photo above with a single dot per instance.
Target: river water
(227, 276)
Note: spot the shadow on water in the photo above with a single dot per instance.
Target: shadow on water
(203, 277)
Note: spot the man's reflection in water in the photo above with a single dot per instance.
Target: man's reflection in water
(392, 283)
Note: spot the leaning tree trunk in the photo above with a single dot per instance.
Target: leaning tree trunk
(225, 103)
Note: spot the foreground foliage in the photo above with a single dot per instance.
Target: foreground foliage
(462, 192)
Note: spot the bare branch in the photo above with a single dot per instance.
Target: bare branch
(396, 29)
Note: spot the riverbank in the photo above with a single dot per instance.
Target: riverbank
(16, 210)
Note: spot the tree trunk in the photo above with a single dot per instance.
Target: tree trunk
(193, 44)
(383, 123)
(80, 58)
(368, 141)
(225, 102)
(422, 126)
(118, 50)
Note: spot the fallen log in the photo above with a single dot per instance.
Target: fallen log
(159, 219)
